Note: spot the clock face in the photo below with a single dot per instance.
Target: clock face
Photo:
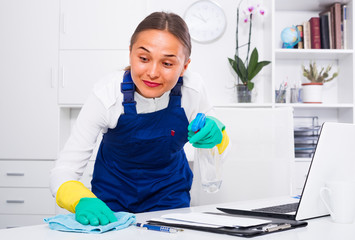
(206, 21)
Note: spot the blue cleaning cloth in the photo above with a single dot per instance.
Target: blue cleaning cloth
(67, 223)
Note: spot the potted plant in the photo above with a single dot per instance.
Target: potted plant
(312, 91)
(246, 70)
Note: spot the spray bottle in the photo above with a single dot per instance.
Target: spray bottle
(209, 161)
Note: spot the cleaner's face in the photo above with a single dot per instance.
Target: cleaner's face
(157, 60)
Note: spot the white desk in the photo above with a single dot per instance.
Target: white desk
(322, 228)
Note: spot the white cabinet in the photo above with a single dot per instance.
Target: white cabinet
(25, 173)
(25, 197)
(26, 201)
(28, 75)
(81, 69)
(29, 111)
(338, 95)
(99, 24)
(20, 220)
(94, 41)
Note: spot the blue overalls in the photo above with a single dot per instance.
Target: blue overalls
(141, 164)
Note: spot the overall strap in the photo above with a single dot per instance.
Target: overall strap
(175, 94)
(128, 88)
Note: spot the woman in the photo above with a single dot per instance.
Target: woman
(141, 165)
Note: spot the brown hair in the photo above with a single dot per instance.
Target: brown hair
(164, 21)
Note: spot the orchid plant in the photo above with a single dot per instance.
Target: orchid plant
(248, 69)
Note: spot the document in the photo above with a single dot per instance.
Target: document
(210, 220)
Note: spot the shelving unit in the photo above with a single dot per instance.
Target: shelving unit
(338, 95)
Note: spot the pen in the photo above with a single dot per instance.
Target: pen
(158, 228)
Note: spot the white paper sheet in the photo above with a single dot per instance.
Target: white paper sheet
(213, 219)
(164, 220)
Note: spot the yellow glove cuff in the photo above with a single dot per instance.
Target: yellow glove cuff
(70, 193)
(225, 142)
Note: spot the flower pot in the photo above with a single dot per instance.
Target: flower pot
(312, 92)
(243, 94)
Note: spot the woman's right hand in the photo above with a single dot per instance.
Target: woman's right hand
(93, 211)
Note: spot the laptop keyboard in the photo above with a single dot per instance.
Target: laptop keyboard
(285, 208)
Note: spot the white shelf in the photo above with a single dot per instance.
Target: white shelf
(245, 105)
(305, 5)
(314, 105)
(301, 54)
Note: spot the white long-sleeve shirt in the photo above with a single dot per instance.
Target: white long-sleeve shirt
(102, 110)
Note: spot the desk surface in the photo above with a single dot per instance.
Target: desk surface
(321, 228)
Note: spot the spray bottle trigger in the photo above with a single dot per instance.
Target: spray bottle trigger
(199, 122)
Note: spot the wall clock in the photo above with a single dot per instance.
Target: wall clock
(206, 21)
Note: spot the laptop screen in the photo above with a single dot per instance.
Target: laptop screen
(334, 159)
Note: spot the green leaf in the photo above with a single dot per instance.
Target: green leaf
(234, 66)
(250, 86)
(257, 69)
(253, 61)
(241, 70)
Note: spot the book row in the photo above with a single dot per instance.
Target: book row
(328, 30)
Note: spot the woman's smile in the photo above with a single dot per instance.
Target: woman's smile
(151, 84)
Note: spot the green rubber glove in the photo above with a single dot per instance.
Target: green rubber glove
(208, 136)
(93, 211)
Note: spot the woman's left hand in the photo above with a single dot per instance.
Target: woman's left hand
(209, 135)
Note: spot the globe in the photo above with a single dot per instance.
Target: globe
(290, 36)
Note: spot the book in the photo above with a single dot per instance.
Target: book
(324, 31)
(336, 16)
(331, 28)
(315, 32)
(306, 35)
(344, 27)
(300, 44)
(331, 32)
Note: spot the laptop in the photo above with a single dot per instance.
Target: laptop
(334, 158)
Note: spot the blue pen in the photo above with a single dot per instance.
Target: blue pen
(158, 228)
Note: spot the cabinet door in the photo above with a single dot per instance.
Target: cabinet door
(21, 220)
(81, 69)
(25, 173)
(26, 201)
(28, 68)
(99, 24)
